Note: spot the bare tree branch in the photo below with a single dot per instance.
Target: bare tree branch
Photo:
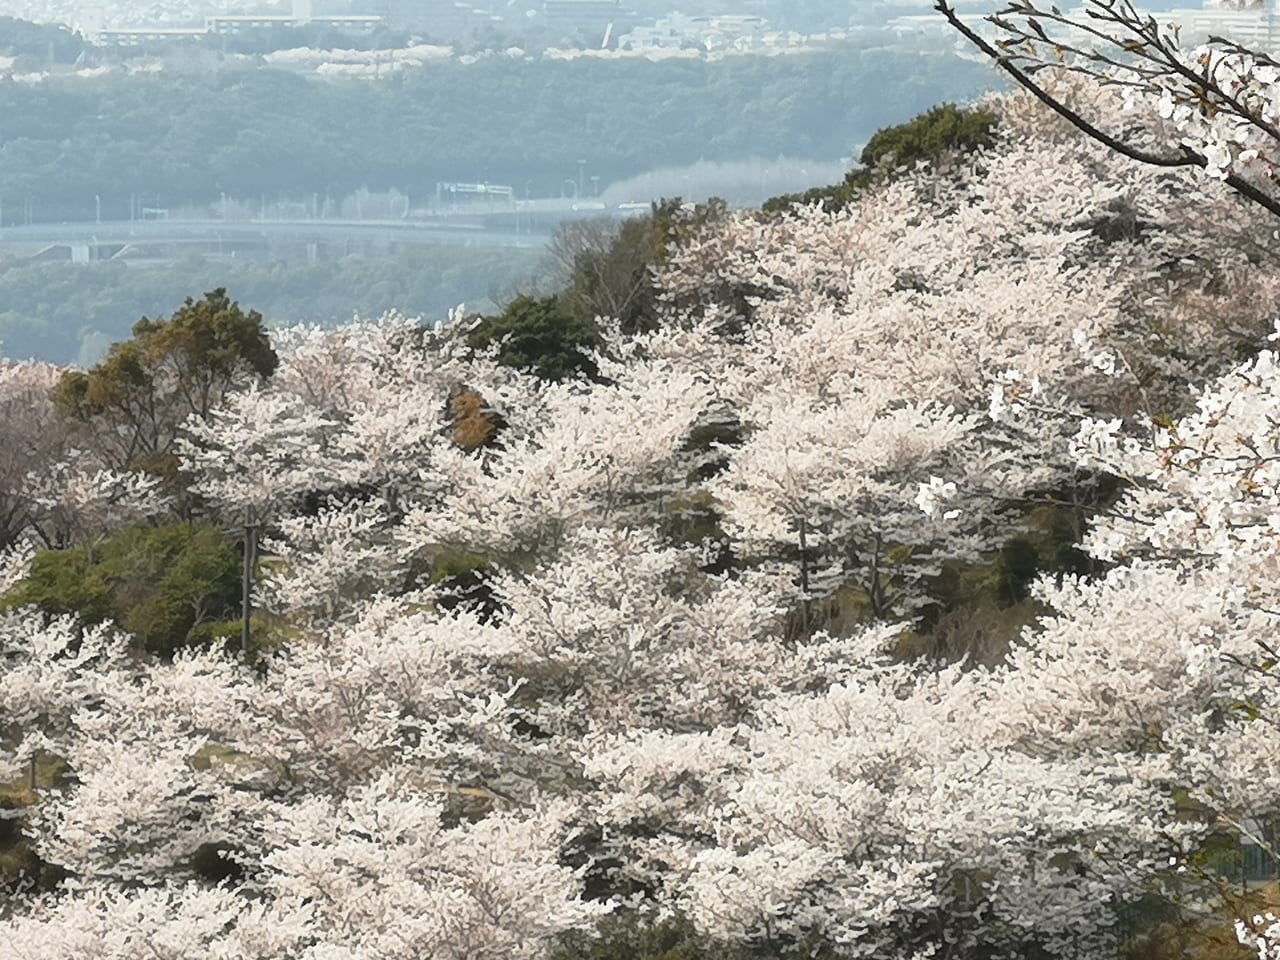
(1146, 39)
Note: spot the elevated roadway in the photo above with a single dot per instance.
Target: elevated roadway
(233, 233)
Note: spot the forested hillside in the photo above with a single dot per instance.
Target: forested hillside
(892, 575)
(168, 139)
(66, 312)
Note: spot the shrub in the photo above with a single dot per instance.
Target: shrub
(932, 136)
(540, 337)
(161, 584)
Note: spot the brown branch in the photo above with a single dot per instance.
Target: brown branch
(1188, 157)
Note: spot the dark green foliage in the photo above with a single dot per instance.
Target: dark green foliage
(540, 336)
(674, 222)
(221, 633)
(215, 863)
(633, 936)
(978, 609)
(204, 346)
(932, 136)
(10, 825)
(64, 581)
(164, 585)
(834, 197)
(130, 406)
(1058, 544)
(21, 869)
(608, 272)
(464, 584)
(708, 441)
(1016, 566)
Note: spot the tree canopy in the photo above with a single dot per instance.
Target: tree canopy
(940, 133)
(134, 401)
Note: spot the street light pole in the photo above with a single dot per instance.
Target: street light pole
(582, 167)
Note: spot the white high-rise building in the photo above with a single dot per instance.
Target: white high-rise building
(1252, 23)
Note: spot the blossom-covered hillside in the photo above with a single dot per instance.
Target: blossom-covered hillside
(526, 659)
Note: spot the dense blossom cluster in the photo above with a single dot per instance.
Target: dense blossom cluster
(517, 678)
(1239, 139)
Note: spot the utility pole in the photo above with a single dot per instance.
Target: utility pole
(804, 576)
(246, 583)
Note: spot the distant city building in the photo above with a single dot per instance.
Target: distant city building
(1252, 23)
(594, 17)
(447, 20)
(723, 31)
(576, 13)
(224, 25)
(238, 24)
(136, 36)
(1245, 22)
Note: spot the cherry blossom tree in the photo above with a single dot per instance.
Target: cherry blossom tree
(863, 819)
(31, 436)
